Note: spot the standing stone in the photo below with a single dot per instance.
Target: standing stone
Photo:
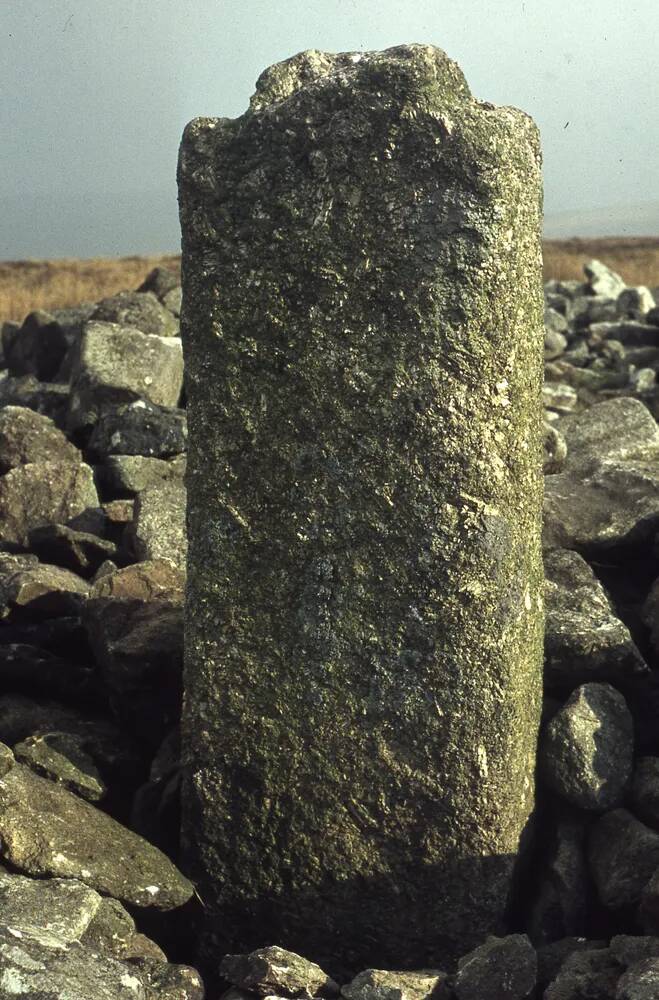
(363, 331)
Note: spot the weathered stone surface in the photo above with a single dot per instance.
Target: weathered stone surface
(57, 910)
(645, 790)
(628, 949)
(641, 982)
(501, 969)
(608, 492)
(41, 590)
(586, 975)
(552, 956)
(26, 437)
(560, 884)
(602, 280)
(555, 450)
(62, 757)
(38, 348)
(159, 530)
(43, 493)
(46, 830)
(42, 397)
(635, 301)
(584, 639)
(78, 551)
(119, 364)
(586, 750)
(623, 855)
(139, 428)
(364, 467)
(377, 984)
(275, 971)
(141, 310)
(122, 474)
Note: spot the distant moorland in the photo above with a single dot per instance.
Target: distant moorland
(50, 284)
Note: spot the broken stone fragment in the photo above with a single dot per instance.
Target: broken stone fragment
(623, 854)
(274, 970)
(377, 984)
(43, 493)
(78, 551)
(27, 437)
(46, 830)
(62, 758)
(119, 364)
(139, 428)
(584, 639)
(140, 310)
(586, 750)
(503, 968)
(130, 474)
(42, 591)
(159, 529)
(602, 280)
(588, 973)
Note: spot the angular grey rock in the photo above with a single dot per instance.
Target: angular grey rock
(377, 984)
(561, 884)
(628, 949)
(43, 493)
(159, 530)
(501, 969)
(587, 309)
(160, 281)
(136, 473)
(640, 982)
(38, 348)
(623, 854)
(42, 591)
(43, 397)
(635, 302)
(139, 428)
(586, 975)
(46, 830)
(171, 982)
(275, 971)
(608, 492)
(645, 790)
(38, 971)
(629, 333)
(586, 750)
(55, 910)
(26, 437)
(7, 759)
(173, 300)
(602, 280)
(141, 310)
(584, 639)
(78, 551)
(364, 476)
(119, 364)
(555, 450)
(555, 344)
(551, 957)
(62, 758)
(559, 396)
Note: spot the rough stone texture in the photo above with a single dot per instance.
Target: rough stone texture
(500, 969)
(275, 971)
(62, 758)
(586, 750)
(46, 830)
(363, 327)
(377, 984)
(561, 884)
(119, 364)
(26, 436)
(141, 310)
(641, 982)
(645, 790)
(623, 855)
(584, 639)
(59, 908)
(158, 530)
(586, 975)
(608, 492)
(139, 428)
(41, 590)
(37, 348)
(78, 551)
(602, 280)
(123, 474)
(43, 493)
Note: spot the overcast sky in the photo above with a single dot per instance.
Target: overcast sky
(95, 94)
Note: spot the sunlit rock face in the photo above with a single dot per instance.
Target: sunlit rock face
(362, 323)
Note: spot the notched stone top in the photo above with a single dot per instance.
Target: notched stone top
(420, 68)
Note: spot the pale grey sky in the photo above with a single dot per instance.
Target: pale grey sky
(95, 95)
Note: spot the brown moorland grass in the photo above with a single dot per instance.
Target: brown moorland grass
(51, 284)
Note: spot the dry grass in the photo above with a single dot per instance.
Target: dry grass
(50, 284)
(636, 259)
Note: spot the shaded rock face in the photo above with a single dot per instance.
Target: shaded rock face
(363, 482)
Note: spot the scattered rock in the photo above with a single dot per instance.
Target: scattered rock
(275, 971)
(159, 525)
(141, 310)
(623, 855)
(376, 984)
(501, 969)
(27, 437)
(43, 493)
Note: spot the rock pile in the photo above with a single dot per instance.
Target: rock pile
(92, 576)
